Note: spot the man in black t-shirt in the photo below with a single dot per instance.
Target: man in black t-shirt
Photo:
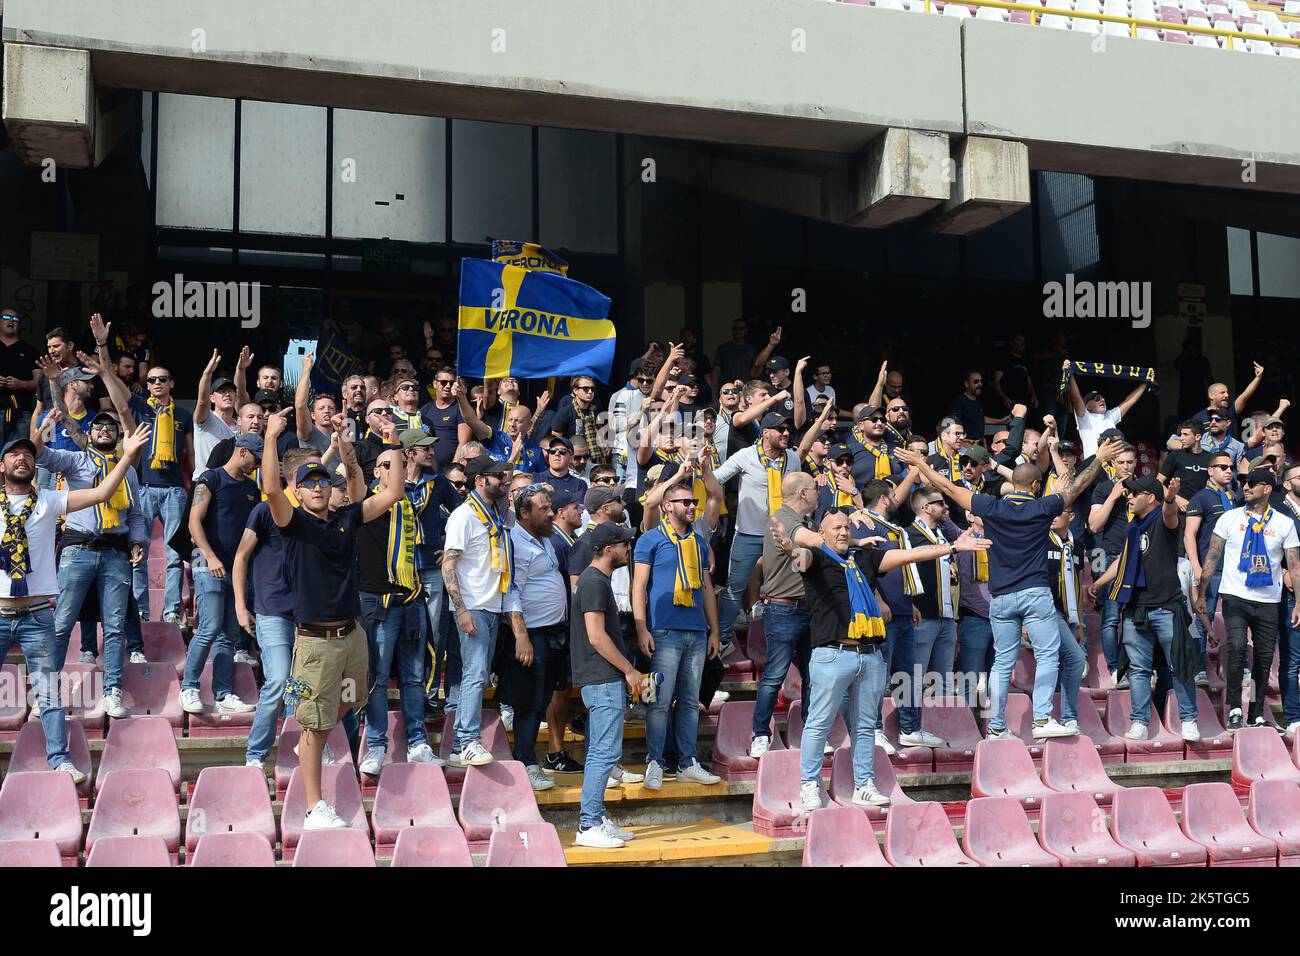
(18, 378)
(1107, 519)
(1203, 512)
(1190, 464)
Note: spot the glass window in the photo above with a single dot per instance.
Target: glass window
(146, 136)
(578, 206)
(282, 169)
(1279, 265)
(1240, 279)
(492, 181)
(1068, 224)
(390, 176)
(196, 161)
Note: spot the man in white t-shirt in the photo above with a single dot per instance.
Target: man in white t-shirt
(214, 414)
(1250, 542)
(1092, 416)
(29, 578)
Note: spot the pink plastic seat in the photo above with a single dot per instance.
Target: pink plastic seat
(15, 853)
(906, 759)
(1109, 747)
(339, 789)
(496, 794)
(83, 688)
(1259, 754)
(1159, 744)
(1212, 817)
(1141, 820)
(1072, 828)
(792, 686)
(286, 761)
(737, 665)
(13, 700)
(231, 849)
(140, 743)
(952, 720)
(1003, 769)
(334, 848)
(1020, 721)
(212, 723)
(29, 752)
(409, 795)
(731, 759)
(396, 752)
(153, 690)
(886, 783)
(837, 737)
(525, 844)
(777, 806)
(1022, 675)
(492, 735)
(1019, 16)
(1274, 811)
(841, 836)
(136, 803)
(997, 833)
(1096, 682)
(163, 643)
(432, 846)
(41, 806)
(229, 800)
(756, 647)
(918, 834)
(1071, 764)
(1215, 742)
(133, 851)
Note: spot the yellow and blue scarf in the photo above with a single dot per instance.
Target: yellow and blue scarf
(1132, 574)
(162, 443)
(108, 515)
(690, 559)
(1254, 561)
(911, 575)
(775, 473)
(498, 540)
(15, 554)
(864, 620)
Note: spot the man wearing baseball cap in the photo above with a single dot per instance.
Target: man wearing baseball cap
(214, 413)
(1093, 417)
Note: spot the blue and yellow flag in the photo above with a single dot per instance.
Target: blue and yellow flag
(528, 255)
(531, 324)
(335, 361)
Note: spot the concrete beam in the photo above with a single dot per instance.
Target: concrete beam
(899, 176)
(49, 104)
(991, 181)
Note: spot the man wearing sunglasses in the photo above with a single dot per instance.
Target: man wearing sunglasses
(442, 418)
(1218, 437)
(577, 418)
(871, 458)
(381, 435)
(18, 377)
(624, 406)
(559, 458)
(1203, 512)
(354, 405)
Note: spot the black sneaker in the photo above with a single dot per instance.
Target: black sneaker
(1234, 720)
(560, 762)
(432, 710)
(578, 724)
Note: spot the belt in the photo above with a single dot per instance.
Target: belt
(789, 602)
(24, 609)
(857, 648)
(342, 630)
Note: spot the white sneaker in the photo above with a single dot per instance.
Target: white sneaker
(113, 705)
(243, 657)
(869, 796)
(1071, 725)
(87, 657)
(598, 838)
(810, 795)
(71, 770)
(326, 755)
(1053, 728)
(171, 619)
(621, 776)
(323, 817)
(1191, 732)
(373, 761)
(697, 774)
(720, 697)
(1000, 734)
(1136, 731)
(759, 746)
(137, 657)
(654, 776)
(1120, 684)
(259, 764)
(190, 702)
(624, 834)
(883, 743)
(423, 753)
(508, 717)
(920, 738)
(231, 704)
(543, 726)
(471, 755)
(1292, 728)
(827, 750)
(538, 779)
(1202, 679)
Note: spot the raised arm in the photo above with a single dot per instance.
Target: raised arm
(1076, 398)
(351, 467)
(1015, 437)
(801, 396)
(760, 362)
(89, 497)
(675, 352)
(281, 510)
(393, 489)
(898, 557)
(878, 392)
(1249, 390)
(713, 493)
(1131, 399)
(819, 426)
(481, 429)
(202, 408)
(52, 372)
(302, 400)
(1169, 514)
(1077, 484)
(241, 377)
(956, 493)
(651, 516)
(758, 409)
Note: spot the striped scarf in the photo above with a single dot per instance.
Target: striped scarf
(815, 469)
(949, 587)
(841, 498)
(883, 467)
(565, 536)
(591, 432)
(498, 540)
(911, 576)
(954, 466)
(689, 561)
(162, 443)
(1067, 580)
(864, 618)
(775, 473)
(406, 420)
(1132, 575)
(404, 533)
(1254, 561)
(1225, 497)
(15, 557)
(108, 514)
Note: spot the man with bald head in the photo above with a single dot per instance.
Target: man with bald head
(499, 443)
(1222, 405)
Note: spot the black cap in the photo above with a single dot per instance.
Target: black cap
(607, 533)
(219, 383)
(1067, 448)
(1260, 476)
(1108, 434)
(777, 362)
(597, 498)
(839, 451)
(559, 440)
(775, 420)
(1140, 484)
(483, 465)
(311, 468)
(265, 395)
(562, 498)
(1091, 395)
(868, 411)
(19, 442)
(688, 381)
(105, 415)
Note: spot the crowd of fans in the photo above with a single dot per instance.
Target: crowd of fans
(451, 535)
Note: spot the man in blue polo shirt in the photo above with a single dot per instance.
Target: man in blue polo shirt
(1021, 596)
(500, 443)
(558, 474)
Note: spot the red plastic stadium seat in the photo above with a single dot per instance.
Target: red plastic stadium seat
(153, 690)
(731, 759)
(1071, 764)
(140, 743)
(952, 720)
(838, 736)
(918, 834)
(432, 846)
(1020, 721)
(1072, 828)
(163, 644)
(286, 760)
(1212, 817)
(841, 836)
(496, 794)
(886, 783)
(492, 734)
(777, 810)
(756, 646)
(13, 700)
(41, 806)
(232, 849)
(1215, 742)
(212, 723)
(997, 833)
(1003, 769)
(29, 853)
(792, 686)
(1022, 675)
(1109, 747)
(1160, 743)
(229, 800)
(907, 759)
(1259, 754)
(1096, 682)
(29, 752)
(737, 665)
(396, 752)
(339, 789)
(83, 688)
(1141, 820)
(410, 795)
(334, 848)
(136, 803)
(525, 844)
(131, 851)
(1274, 811)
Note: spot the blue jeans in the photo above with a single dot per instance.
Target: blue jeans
(935, 647)
(393, 634)
(275, 639)
(34, 634)
(130, 628)
(435, 599)
(679, 656)
(216, 631)
(899, 650)
(786, 628)
(1288, 664)
(1110, 624)
(1139, 643)
(109, 573)
(1070, 673)
(476, 656)
(837, 672)
(1211, 605)
(746, 549)
(606, 705)
(167, 504)
(1033, 609)
(975, 638)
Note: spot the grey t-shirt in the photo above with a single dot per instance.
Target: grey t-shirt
(593, 593)
(780, 579)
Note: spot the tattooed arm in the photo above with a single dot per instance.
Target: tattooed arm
(1084, 479)
(1293, 569)
(464, 620)
(1208, 567)
(348, 455)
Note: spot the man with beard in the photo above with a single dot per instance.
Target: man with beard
(381, 435)
(510, 444)
(872, 460)
(578, 418)
(1218, 437)
(898, 423)
(968, 407)
(442, 418)
(889, 386)
(1220, 401)
(354, 405)
(1203, 513)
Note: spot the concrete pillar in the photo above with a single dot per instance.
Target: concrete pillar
(49, 104)
(990, 182)
(899, 176)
